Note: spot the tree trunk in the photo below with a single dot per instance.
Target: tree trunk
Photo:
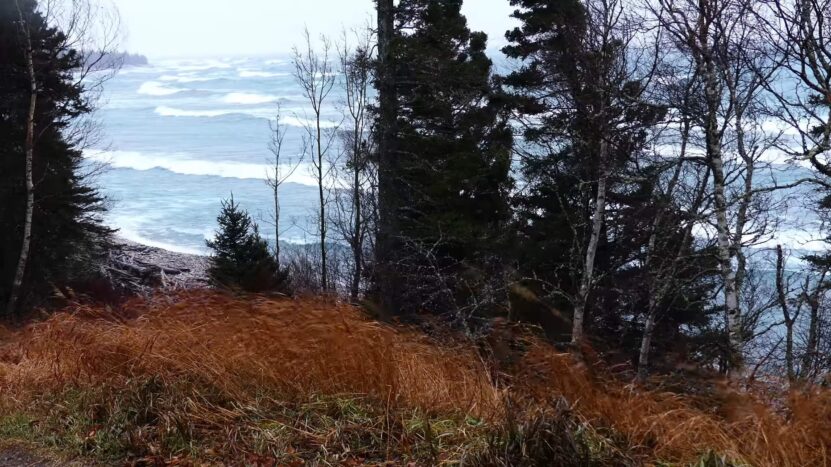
(724, 244)
(728, 273)
(357, 234)
(388, 235)
(277, 213)
(646, 340)
(659, 283)
(591, 252)
(809, 358)
(17, 285)
(782, 298)
(323, 269)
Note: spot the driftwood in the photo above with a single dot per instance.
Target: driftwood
(140, 269)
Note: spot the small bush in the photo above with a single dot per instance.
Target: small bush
(241, 258)
(543, 438)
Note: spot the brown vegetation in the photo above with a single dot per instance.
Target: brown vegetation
(207, 376)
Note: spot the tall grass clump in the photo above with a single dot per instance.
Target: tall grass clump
(220, 378)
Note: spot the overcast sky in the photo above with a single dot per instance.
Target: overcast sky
(197, 28)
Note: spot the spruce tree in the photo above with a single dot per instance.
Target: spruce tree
(452, 150)
(67, 236)
(586, 123)
(241, 258)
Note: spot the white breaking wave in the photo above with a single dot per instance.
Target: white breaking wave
(187, 79)
(245, 98)
(261, 74)
(154, 88)
(192, 65)
(165, 111)
(182, 165)
(258, 112)
(133, 236)
(303, 122)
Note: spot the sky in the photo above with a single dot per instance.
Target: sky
(201, 28)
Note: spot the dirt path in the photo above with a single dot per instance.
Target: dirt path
(19, 457)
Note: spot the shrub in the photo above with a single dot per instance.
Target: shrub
(241, 257)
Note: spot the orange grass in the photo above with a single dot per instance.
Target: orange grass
(243, 347)
(292, 350)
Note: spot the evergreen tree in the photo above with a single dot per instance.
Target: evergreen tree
(241, 256)
(586, 122)
(67, 236)
(452, 149)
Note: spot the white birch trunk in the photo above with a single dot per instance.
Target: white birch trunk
(591, 251)
(23, 259)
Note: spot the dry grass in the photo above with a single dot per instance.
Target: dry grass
(208, 376)
(669, 427)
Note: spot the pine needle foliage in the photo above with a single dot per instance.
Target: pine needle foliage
(241, 257)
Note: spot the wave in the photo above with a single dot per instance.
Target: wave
(188, 79)
(166, 111)
(261, 74)
(245, 98)
(133, 235)
(154, 88)
(304, 122)
(193, 65)
(181, 164)
(256, 112)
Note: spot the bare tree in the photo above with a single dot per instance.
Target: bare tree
(614, 66)
(314, 72)
(353, 218)
(663, 272)
(800, 33)
(721, 40)
(283, 170)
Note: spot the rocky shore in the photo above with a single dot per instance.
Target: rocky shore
(140, 268)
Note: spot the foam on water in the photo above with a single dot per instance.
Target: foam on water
(166, 111)
(261, 74)
(181, 164)
(245, 98)
(154, 88)
(188, 78)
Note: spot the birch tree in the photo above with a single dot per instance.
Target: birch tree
(29, 149)
(721, 40)
(315, 73)
(354, 214)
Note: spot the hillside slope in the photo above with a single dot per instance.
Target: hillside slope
(204, 377)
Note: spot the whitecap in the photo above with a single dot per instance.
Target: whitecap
(261, 74)
(154, 88)
(166, 111)
(245, 98)
(187, 79)
(305, 122)
(183, 165)
(133, 235)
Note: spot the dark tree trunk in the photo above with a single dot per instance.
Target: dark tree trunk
(388, 236)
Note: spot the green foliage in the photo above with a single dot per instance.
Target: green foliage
(241, 257)
(546, 439)
(66, 228)
(587, 117)
(453, 145)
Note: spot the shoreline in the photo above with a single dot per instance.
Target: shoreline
(149, 266)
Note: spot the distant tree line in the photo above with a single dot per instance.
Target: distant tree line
(103, 60)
